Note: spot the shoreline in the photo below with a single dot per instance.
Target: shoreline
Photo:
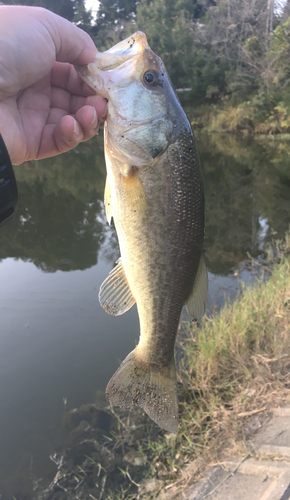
(240, 120)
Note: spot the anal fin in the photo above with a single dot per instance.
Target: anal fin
(115, 295)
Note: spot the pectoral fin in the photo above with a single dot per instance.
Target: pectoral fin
(108, 201)
(115, 295)
(196, 303)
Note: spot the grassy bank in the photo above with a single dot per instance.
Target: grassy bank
(248, 118)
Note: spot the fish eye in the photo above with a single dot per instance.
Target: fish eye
(151, 78)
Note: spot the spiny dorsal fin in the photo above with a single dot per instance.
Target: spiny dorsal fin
(196, 303)
(115, 295)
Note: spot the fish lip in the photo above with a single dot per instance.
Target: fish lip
(99, 74)
(102, 78)
(93, 78)
(133, 45)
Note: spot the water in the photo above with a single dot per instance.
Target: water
(56, 342)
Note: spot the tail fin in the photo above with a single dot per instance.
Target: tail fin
(141, 384)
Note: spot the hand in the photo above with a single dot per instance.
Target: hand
(45, 108)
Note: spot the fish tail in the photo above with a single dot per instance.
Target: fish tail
(137, 383)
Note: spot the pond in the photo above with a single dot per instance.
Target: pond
(57, 345)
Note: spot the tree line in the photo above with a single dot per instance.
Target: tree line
(233, 50)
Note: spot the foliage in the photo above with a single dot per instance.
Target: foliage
(70, 9)
(238, 50)
(262, 114)
(170, 27)
(112, 19)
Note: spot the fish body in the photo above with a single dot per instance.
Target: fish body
(154, 193)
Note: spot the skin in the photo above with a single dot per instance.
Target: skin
(45, 108)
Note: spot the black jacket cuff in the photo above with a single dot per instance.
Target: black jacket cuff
(8, 186)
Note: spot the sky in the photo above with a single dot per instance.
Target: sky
(93, 5)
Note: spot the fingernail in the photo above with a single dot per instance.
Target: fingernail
(77, 130)
(95, 119)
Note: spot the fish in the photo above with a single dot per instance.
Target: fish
(154, 194)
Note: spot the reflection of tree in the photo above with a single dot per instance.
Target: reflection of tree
(244, 181)
(58, 223)
(112, 250)
(273, 183)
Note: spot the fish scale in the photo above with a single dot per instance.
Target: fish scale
(154, 193)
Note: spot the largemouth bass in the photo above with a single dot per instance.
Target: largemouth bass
(154, 193)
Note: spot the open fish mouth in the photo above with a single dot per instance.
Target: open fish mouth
(116, 66)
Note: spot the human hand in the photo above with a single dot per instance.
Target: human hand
(45, 108)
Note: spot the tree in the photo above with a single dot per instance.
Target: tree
(73, 10)
(239, 32)
(172, 31)
(112, 19)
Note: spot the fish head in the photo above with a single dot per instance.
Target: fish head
(142, 106)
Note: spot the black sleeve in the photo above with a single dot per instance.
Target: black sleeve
(8, 186)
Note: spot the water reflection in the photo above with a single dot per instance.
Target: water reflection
(59, 223)
(247, 186)
(55, 340)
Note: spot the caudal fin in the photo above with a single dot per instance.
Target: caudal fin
(140, 384)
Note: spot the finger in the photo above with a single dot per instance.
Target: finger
(67, 134)
(72, 44)
(64, 75)
(100, 105)
(87, 118)
(62, 99)
(59, 138)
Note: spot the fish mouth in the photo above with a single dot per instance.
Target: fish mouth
(116, 66)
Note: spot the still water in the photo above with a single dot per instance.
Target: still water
(56, 342)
